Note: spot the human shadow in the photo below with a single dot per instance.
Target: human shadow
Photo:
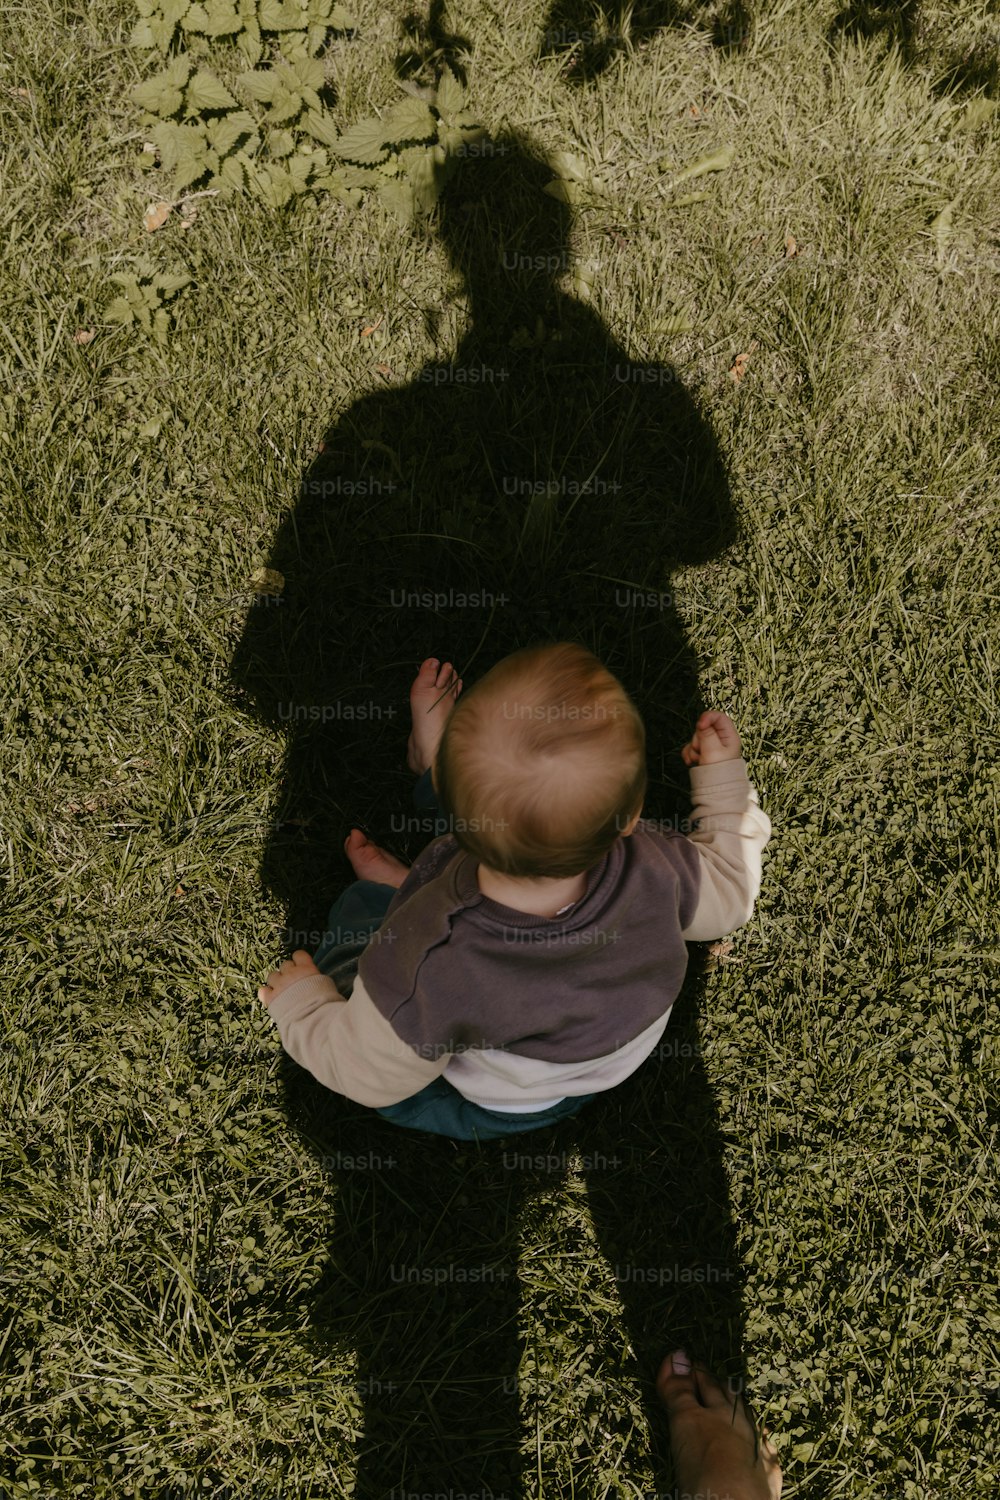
(538, 482)
(893, 20)
(589, 34)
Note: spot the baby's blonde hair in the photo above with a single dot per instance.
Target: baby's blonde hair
(542, 764)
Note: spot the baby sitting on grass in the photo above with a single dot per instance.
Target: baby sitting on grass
(530, 957)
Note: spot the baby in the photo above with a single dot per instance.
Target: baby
(530, 957)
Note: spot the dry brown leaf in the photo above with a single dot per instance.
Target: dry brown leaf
(694, 111)
(719, 950)
(791, 248)
(179, 890)
(83, 335)
(371, 328)
(155, 217)
(385, 369)
(738, 368)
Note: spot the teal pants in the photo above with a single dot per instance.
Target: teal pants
(439, 1108)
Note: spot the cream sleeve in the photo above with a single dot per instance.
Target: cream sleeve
(348, 1045)
(730, 835)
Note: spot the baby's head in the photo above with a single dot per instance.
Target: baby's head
(542, 765)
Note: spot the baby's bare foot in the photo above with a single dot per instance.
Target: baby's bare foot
(712, 1438)
(432, 698)
(369, 862)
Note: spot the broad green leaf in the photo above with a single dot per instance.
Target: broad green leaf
(340, 19)
(160, 325)
(178, 71)
(287, 106)
(409, 120)
(197, 20)
(236, 127)
(276, 187)
(233, 172)
(361, 177)
(142, 35)
(450, 98)
(260, 86)
(466, 121)
(274, 16)
(169, 283)
(205, 91)
(320, 127)
(190, 169)
(716, 161)
(119, 310)
(280, 143)
(174, 141)
(163, 32)
(572, 168)
(398, 196)
(427, 178)
(363, 142)
(304, 72)
(458, 142)
(224, 21)
(299, 169)
(174, 10)
(159, 95)
(250, 44)
(333, 183)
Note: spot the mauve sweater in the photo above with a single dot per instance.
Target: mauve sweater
(517, 1010)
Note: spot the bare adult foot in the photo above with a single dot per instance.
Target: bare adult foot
(432, 698)
(369, 862)
(714, 1448)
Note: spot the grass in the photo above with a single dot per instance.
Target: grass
(223, 1281)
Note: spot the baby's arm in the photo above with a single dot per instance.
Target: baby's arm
(731, 829)
(348, 1045)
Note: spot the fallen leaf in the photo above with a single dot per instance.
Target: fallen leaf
(268, 581)
(715, 161)
(21, 93)
(150, 148)
(679, 323)
(694, 110)
(385, 369)
(941, 230)
(155, 217)
(371, 328)
(83, 335)
(719, 950)
(791, 248)
(179, 890)
(740, 363)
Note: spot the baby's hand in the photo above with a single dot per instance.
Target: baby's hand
(299, 966)
(714, 739)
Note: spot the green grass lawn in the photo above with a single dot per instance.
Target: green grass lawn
(222, 1280)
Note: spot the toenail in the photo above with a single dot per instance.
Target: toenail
(679, 1363)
